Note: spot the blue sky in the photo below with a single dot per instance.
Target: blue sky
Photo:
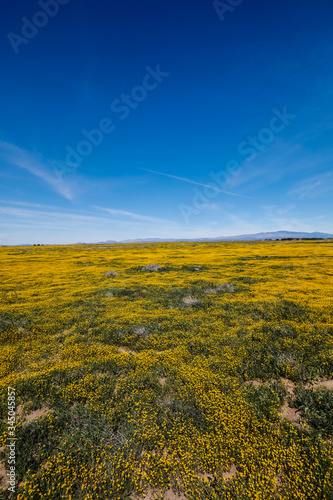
(177, 119)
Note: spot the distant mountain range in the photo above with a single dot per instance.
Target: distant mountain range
(276, 235)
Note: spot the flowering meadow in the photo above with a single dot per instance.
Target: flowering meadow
(206, 377)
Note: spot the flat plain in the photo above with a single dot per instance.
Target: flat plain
(206, 377)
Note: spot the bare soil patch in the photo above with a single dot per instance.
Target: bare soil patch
(231, 473)
(323, 383)
(150, 495)
(37, 413)
(287, 412)
(278, 481)
(290, 414)
(290, 387)
(206, 475)
(255, 383)
(3, 472)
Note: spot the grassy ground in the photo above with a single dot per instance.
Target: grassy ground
(197, 381)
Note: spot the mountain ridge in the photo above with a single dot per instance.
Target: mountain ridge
(274, 235)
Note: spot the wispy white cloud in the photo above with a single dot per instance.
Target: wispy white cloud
(314, 187)
(132, 215)
(43, 215)
(35, 165)
(212, 206)
(39, 217)
(270, 166)
(290, 219)
(26, 204)
(280, 160)
(274, 210)
(26, 224)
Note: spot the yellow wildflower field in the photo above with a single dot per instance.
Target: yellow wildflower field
(206, 377)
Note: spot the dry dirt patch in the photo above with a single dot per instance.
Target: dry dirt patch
(290, 414)
(255, 383)
(168, 495)
(37, 413)
(286, 411)
(19, 410)
(323, 383)
(3, 472)
(278, 481)
(290, 387)
(206, 476)
(231, 473)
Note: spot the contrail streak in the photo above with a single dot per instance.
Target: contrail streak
(194, 182)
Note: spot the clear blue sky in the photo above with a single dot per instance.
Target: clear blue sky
(180, 95)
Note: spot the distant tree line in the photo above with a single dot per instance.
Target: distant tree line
(298, 239)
